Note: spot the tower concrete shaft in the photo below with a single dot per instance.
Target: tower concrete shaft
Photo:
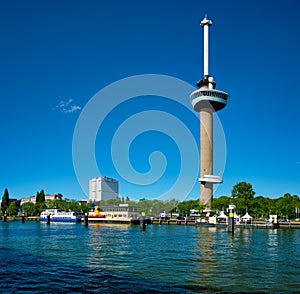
(206, 100)
(206, 156)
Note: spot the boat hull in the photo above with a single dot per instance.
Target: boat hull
(109, 220)
(61, 220)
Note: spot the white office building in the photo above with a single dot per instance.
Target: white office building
(103, 188)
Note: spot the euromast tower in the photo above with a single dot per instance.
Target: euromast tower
(207, 100)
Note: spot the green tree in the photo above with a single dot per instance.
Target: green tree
(221, 203)
(37, 197)
(131, 202)
(28, 208)
(185, 207)
(286, 205)
(39, 207)
(260, 207)
(145, 206)
(172, 205)
(156, 207)
(40, 197)
(111, 201)
(242, 193)
(240, 205)
(40, 204)
(85, 207)
(12, 208)
(73, 205)
(58, 204)
(5, 201)
(295, 204)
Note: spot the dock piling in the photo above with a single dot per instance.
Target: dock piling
(142, 222)
(231, 219)
(48, 219)
(86, 220)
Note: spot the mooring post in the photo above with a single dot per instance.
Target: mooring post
(86, 220)
(5, 216)
(23, 218)
(48, 219)
(231, 218)
(143, 222)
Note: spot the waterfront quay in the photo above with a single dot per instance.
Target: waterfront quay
(291, 224)
(158, 221)
(253, 225)
(171, 221)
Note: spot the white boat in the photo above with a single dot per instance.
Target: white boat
(60, 216)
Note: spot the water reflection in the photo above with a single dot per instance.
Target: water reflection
(248, 259)
(198, 259)
(209, 244)
(107, 244)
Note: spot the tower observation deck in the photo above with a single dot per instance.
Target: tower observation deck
(206, 100)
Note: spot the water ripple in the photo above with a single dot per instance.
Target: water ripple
(36, 258)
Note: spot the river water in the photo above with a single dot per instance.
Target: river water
(71, 258)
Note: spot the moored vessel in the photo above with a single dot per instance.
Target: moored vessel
(56, 215)
(95, 215)
(114, 214)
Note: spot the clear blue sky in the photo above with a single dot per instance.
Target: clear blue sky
(56, 55)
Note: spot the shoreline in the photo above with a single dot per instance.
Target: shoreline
(254, 225)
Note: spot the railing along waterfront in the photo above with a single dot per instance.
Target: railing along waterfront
(172, 222)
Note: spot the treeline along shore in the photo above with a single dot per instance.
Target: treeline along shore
(286, 207)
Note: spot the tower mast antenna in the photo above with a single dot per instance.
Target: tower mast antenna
(205, 23)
